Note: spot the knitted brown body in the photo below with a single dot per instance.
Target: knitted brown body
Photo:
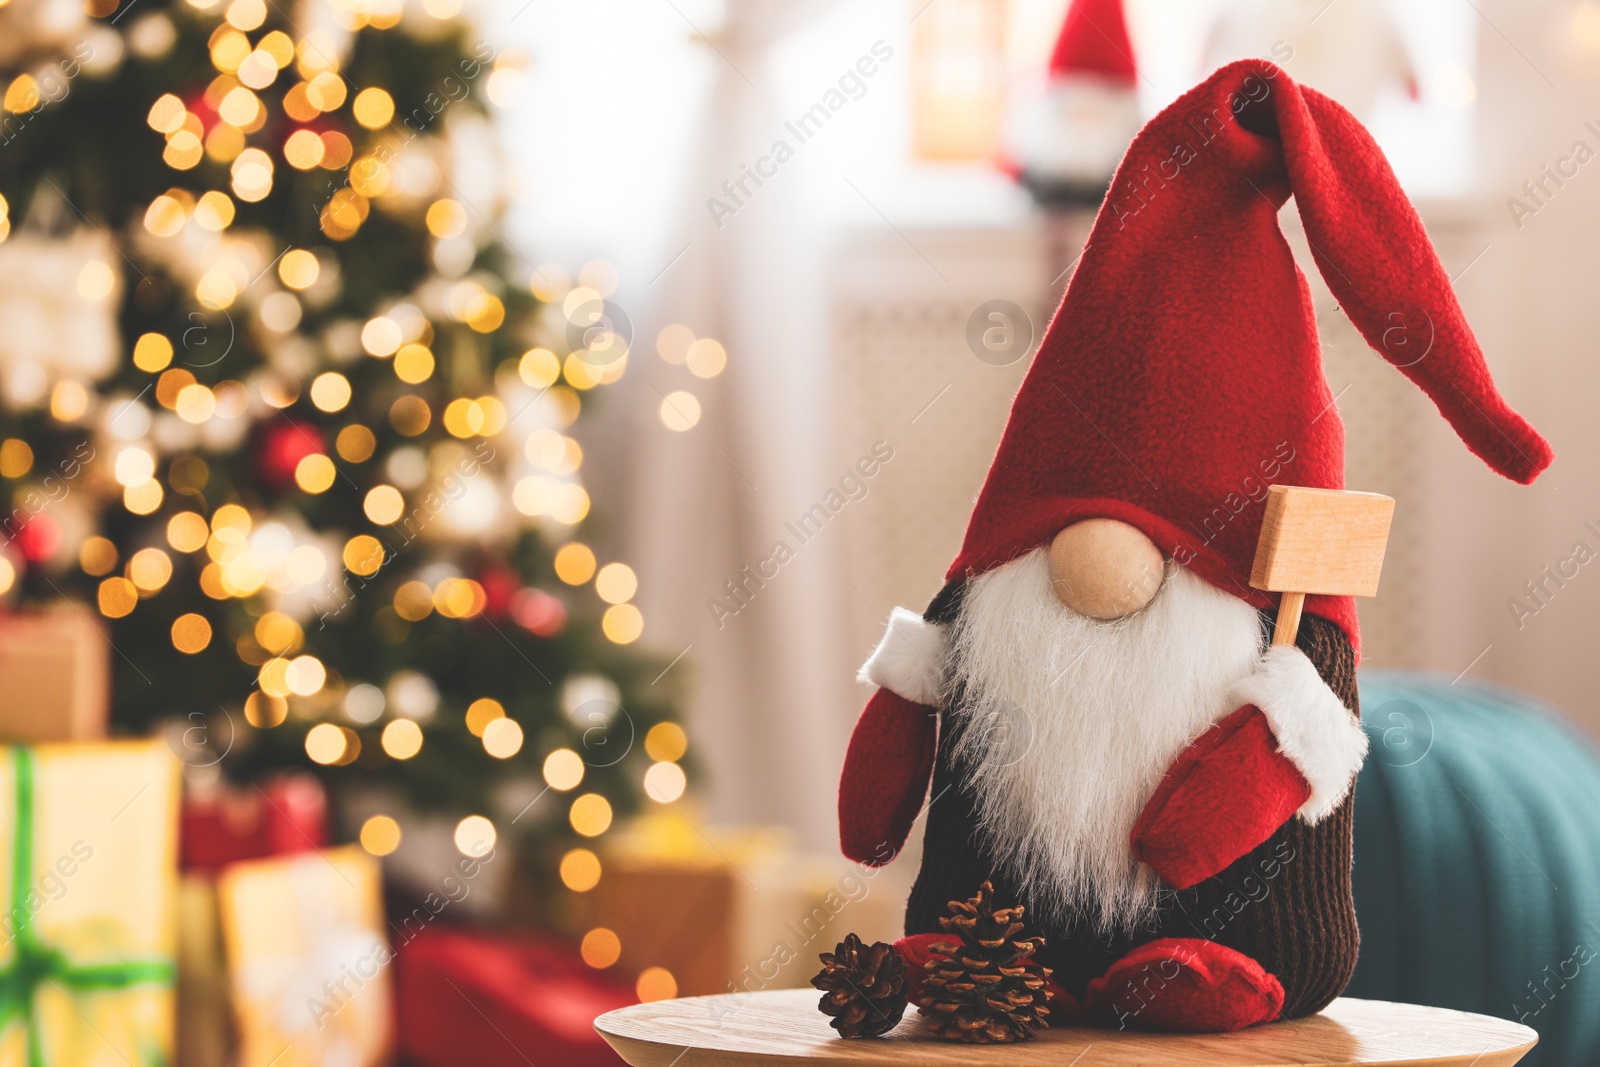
(1287, 904)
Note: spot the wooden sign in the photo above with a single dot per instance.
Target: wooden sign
(1324, 541)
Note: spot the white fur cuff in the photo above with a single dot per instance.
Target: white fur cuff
(1315, 730)
(910, 660)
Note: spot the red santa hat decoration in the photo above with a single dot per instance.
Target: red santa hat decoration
(1182, 373)
(1065, 142)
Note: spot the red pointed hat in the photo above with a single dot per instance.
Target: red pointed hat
(1094, 39)
(1182, 373)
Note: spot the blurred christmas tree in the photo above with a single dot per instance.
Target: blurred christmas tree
(280, 401)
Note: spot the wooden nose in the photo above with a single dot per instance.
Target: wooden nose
(1105, 569)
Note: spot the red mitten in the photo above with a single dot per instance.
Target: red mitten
(886, 774)
(1227, 793)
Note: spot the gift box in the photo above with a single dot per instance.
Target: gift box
(308, 964)
(727, 910)
(55, 670)
(88, 856)
(494, 1002)
(205, 1024)
(224, 824)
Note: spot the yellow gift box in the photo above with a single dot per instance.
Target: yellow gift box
(89, 868)
(308, 964)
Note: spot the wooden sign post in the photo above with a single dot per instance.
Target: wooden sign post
(1324, 541)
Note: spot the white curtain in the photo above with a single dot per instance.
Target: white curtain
(767, 691)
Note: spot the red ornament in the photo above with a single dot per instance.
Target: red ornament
(39, 538)
(283, 444)
(197, 106)
(500, 586)
(538, 612)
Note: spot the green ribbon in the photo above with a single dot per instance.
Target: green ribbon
(34, 963)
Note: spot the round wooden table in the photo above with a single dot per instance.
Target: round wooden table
(783, 1028)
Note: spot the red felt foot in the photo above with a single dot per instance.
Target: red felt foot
(916, 950)
(886, 773)
(1185, 985)
(1226, 794)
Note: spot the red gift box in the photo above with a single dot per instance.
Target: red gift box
(226, 825)
(539, 1002)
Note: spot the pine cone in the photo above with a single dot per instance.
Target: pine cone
(986, 987)
(864, 989)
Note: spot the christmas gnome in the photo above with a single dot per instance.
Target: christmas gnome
(1064, 141)
(1109, 738)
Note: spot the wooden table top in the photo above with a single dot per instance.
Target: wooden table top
(782, 1028)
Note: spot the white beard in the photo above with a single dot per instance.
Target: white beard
(1071, 722)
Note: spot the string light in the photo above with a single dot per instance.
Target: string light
(143, 499)
(330, 391)
(666, 742)
(574, 563)
(278, 633)
(191, 633)
(616, 583)
(165, 216)
(299, 268)
(97, 556)
(402, 739)
(655, 983)
(373, 108)
(326, 743)
(600, 948)
(563, 770)
(214, 211)
(117, 597)
(706, 358)
(413, 602)
(149, 569)
(16, 457)
(363, 555)
(446, 218)
(68, 400)
(664, 782)
(502, 738)
(355, 444)
(306, 676)
(481, 712)
(622, 624)
(380, 835)
(264, 711)
(475, 836)
(413, 364)
(195, 403)
(539, 368)
(315, 473)
(680, 411)
(167, 114)
(590, 815)
(580, 870)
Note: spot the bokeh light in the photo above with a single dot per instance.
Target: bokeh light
(563, 770)
(475, 836)
(590, 815)
(380, 835)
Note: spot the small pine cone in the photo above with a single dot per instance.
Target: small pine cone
(985, 987)
(863, 989)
